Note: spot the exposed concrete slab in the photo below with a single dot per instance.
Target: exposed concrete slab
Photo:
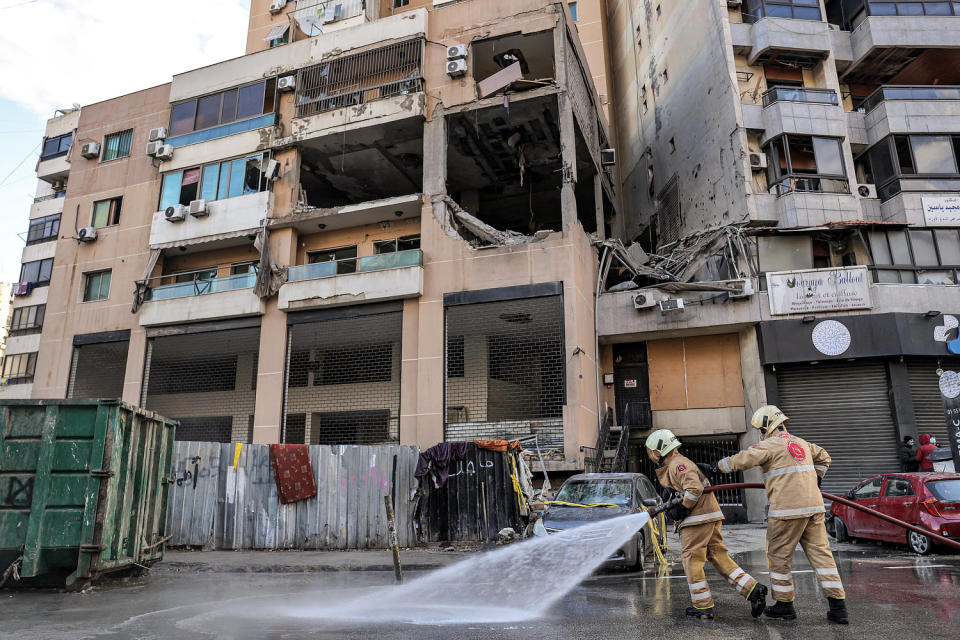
(794, 35)
(903, 31)
(210, 306)
(352, 288)
(46, 208)
(804, 208)
(236, 217)
(619, 321)
(803, 118)
(911, 116)
(700, 422)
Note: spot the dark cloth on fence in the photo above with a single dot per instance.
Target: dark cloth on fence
(436, 461)
(292, 472)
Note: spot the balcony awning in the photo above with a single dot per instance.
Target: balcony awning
(277, 32)
(216, 237)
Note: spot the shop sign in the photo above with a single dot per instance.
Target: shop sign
(941, 211)
(813, 290)
(629, 384)
(950, 391)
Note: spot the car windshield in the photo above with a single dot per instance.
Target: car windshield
(945, 490)
(596, 491)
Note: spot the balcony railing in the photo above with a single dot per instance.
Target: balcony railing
(800, 94)
(816, 184)
(389, 71)
(919, 92)
(199, 286)
(381, 262)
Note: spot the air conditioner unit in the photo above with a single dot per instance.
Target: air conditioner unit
(87, 234)
(272, 170)
(674, 305)
(198, 209)
(644, 299)
(153, 147)
(758, 161)
(456, 68)
(277, 6)
(287, 83)
(164, 152)
(157, 134)
(90, 150)
(608, 157)
(175, 213)
(746, 289)
(867, 190)
(456, 52)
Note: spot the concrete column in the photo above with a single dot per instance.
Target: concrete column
(754, 397)
(409, 372)
(598, 206)
(136, 359)
(901, 400)
(568, 140)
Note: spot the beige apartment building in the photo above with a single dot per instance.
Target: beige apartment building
(377, 225)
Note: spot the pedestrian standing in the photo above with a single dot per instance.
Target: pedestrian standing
(908, 455)
(923, 453)
(792, 471)
(699, 521)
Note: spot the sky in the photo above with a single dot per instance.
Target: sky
(54, 53)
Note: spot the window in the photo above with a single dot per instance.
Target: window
(215, 181)
(400, 3)
(106, 212)
(284, 39)
(37, 272)
(805, 163)
(915, 8)
(754, 10)
(27, 319)
(898, 488)
(869, 489)
(345, 257)
(243, 267)
(96, 286)
(406, 243)
(117, 145)
(573, 10)
(43, 229)
(224, 107)
(56, 146)
(916, 256)
(913, 163)
(18, 368)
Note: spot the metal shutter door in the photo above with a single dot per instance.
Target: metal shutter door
(844, 408)
(927, 404)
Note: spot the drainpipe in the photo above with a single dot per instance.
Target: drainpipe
(596, 333)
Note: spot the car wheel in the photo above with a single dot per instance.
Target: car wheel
(640, 562)
(840, 530)
(919, 543)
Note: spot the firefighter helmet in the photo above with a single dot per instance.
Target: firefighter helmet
(768, 418)
(662, 441)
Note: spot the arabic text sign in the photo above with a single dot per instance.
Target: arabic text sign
(941, 211)
(813, 290)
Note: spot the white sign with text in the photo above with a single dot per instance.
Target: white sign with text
(813, 290)
(941, 211)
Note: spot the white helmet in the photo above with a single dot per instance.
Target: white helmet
(662, 441)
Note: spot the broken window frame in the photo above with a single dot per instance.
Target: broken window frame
(891, 165)
(345, 263)
(18, 368)
(396, 245)
(229, 110)
(234, 186)
(108, 212)
(889, 268)
(43, 229)
(781, 180)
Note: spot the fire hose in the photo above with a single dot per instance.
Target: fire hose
(829, 496)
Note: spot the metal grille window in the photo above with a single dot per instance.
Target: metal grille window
(669, 221)
(705, 450)
(505, 370)
(393, 70)
(206, 378)
(343, 381)
(18, 368)
(117, 145)
(43, 229)
(98, 370)
(27, 319)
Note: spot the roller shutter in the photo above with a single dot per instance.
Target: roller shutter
(927, 404)
(845, 408)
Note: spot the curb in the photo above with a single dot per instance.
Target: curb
(208, 568)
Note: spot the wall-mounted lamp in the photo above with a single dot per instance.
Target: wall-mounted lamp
(809, 319)
(322, 226)
(932, 314)
(608, 380)
(399, 214)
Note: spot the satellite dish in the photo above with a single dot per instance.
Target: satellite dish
(310, 19)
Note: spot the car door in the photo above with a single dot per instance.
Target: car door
(898, 501)
(862, 525)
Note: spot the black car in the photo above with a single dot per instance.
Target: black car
(629, 492)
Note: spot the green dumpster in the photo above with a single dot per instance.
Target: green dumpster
(83, 489)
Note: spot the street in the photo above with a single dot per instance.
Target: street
(891, 593)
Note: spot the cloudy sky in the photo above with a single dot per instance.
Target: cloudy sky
(54, 53)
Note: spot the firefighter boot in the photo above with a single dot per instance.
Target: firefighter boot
(757, 600)
(782, 610)
(838, 611)
(703, 614)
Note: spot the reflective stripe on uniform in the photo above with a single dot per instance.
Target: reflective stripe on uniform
(777, 587)
(698, 585)
(828, 572)
(690, 496)
(724, 466)
(734, 575)
(701, 596)
(785, 470)
(820, 467)
(780, 576)
(805, 511)
(701, 518)
(744, 580)
(832, 585)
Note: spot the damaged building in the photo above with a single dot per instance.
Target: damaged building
(373, 227)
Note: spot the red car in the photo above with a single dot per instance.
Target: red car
(928, 500)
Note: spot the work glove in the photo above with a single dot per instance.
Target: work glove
(708, 468)
(667, 494)
(819, 481)
(678, 513)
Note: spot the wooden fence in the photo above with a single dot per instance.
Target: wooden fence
(222, 499)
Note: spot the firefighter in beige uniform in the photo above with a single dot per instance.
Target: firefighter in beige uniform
(792, 470)
(699, 521)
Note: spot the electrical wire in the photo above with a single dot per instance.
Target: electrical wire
(19, 4)
(19, 164)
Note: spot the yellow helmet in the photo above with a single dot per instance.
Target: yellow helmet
(768, 418)
(662, 441)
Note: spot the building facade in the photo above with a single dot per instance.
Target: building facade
(377, 225)
(796, 177)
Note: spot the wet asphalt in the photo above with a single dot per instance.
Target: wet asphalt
(891, 594)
